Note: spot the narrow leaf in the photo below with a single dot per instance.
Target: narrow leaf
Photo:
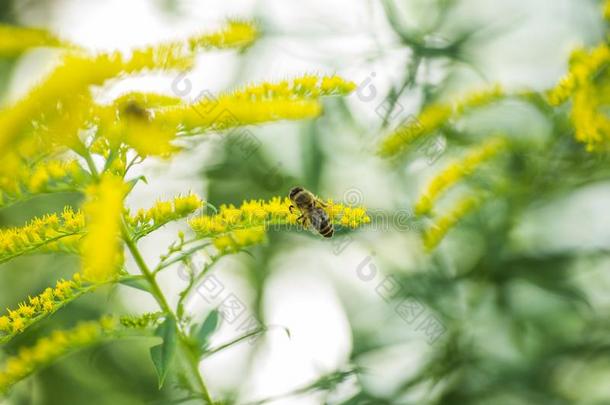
(209, 326)
(138, 283)
(163, 354)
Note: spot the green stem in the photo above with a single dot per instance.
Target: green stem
(91, 164)
(192, 360)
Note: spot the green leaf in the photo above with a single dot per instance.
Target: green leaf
(163, 354)
(209, 325)
(138, 283)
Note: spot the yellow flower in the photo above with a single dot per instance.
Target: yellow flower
(5, 323)
(456, 171)
(18, 179)
(26, 310)
(240, 238)
(433, 117)
(63, 97)
(435, 234)
(39, 233)
(185, 205)
(14, 40)
(254, 104)
(255, 216)
(102, 254)
(50, 348)
(163, 212)
(586, 84)
(44, 303)
(228, 113)
(236, 34)
(18, 324)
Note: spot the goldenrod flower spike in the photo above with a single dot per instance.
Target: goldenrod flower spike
(62, 342)
(101, 248)
(20, 180)
(40, 306)
(586, 85)
(239, 239)
(236, 227)
(68, 85)
(456, 171)
(295, 99)
(433, 117)
(307, 86)
(163, 212)
(15, 40)
(50, 232)
(235, 34)
(437, 231)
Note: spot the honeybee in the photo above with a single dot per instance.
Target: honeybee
(134, 110)
(311, 210)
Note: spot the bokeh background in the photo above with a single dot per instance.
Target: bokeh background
(519, 293)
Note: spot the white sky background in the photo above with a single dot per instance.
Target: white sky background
(320, 36)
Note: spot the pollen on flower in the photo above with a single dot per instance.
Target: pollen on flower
(456, 171)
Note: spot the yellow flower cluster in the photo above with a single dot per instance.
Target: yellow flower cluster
(307, 86)
(163, 212)
(347, 216)
(235, 227)
(47, 232)
(239, 239)
(456, 171)
(15, 40)
(101, 248)
(287, 99)
(435, 233)
(41, 177)
(45, 303)
(236, 34)
(433, 117)
(48, 349)
(62, 101)
(45, 174)
(250, 214)
(587, 84)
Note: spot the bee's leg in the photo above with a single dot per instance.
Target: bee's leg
(322, 203)
(303, 221)
(291, 209)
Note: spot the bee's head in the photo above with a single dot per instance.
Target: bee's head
(294, 192)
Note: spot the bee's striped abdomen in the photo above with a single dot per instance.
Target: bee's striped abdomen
(321, 222)
(327, 230)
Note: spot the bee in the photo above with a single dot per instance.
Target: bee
(134, 110)
(312, 211)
